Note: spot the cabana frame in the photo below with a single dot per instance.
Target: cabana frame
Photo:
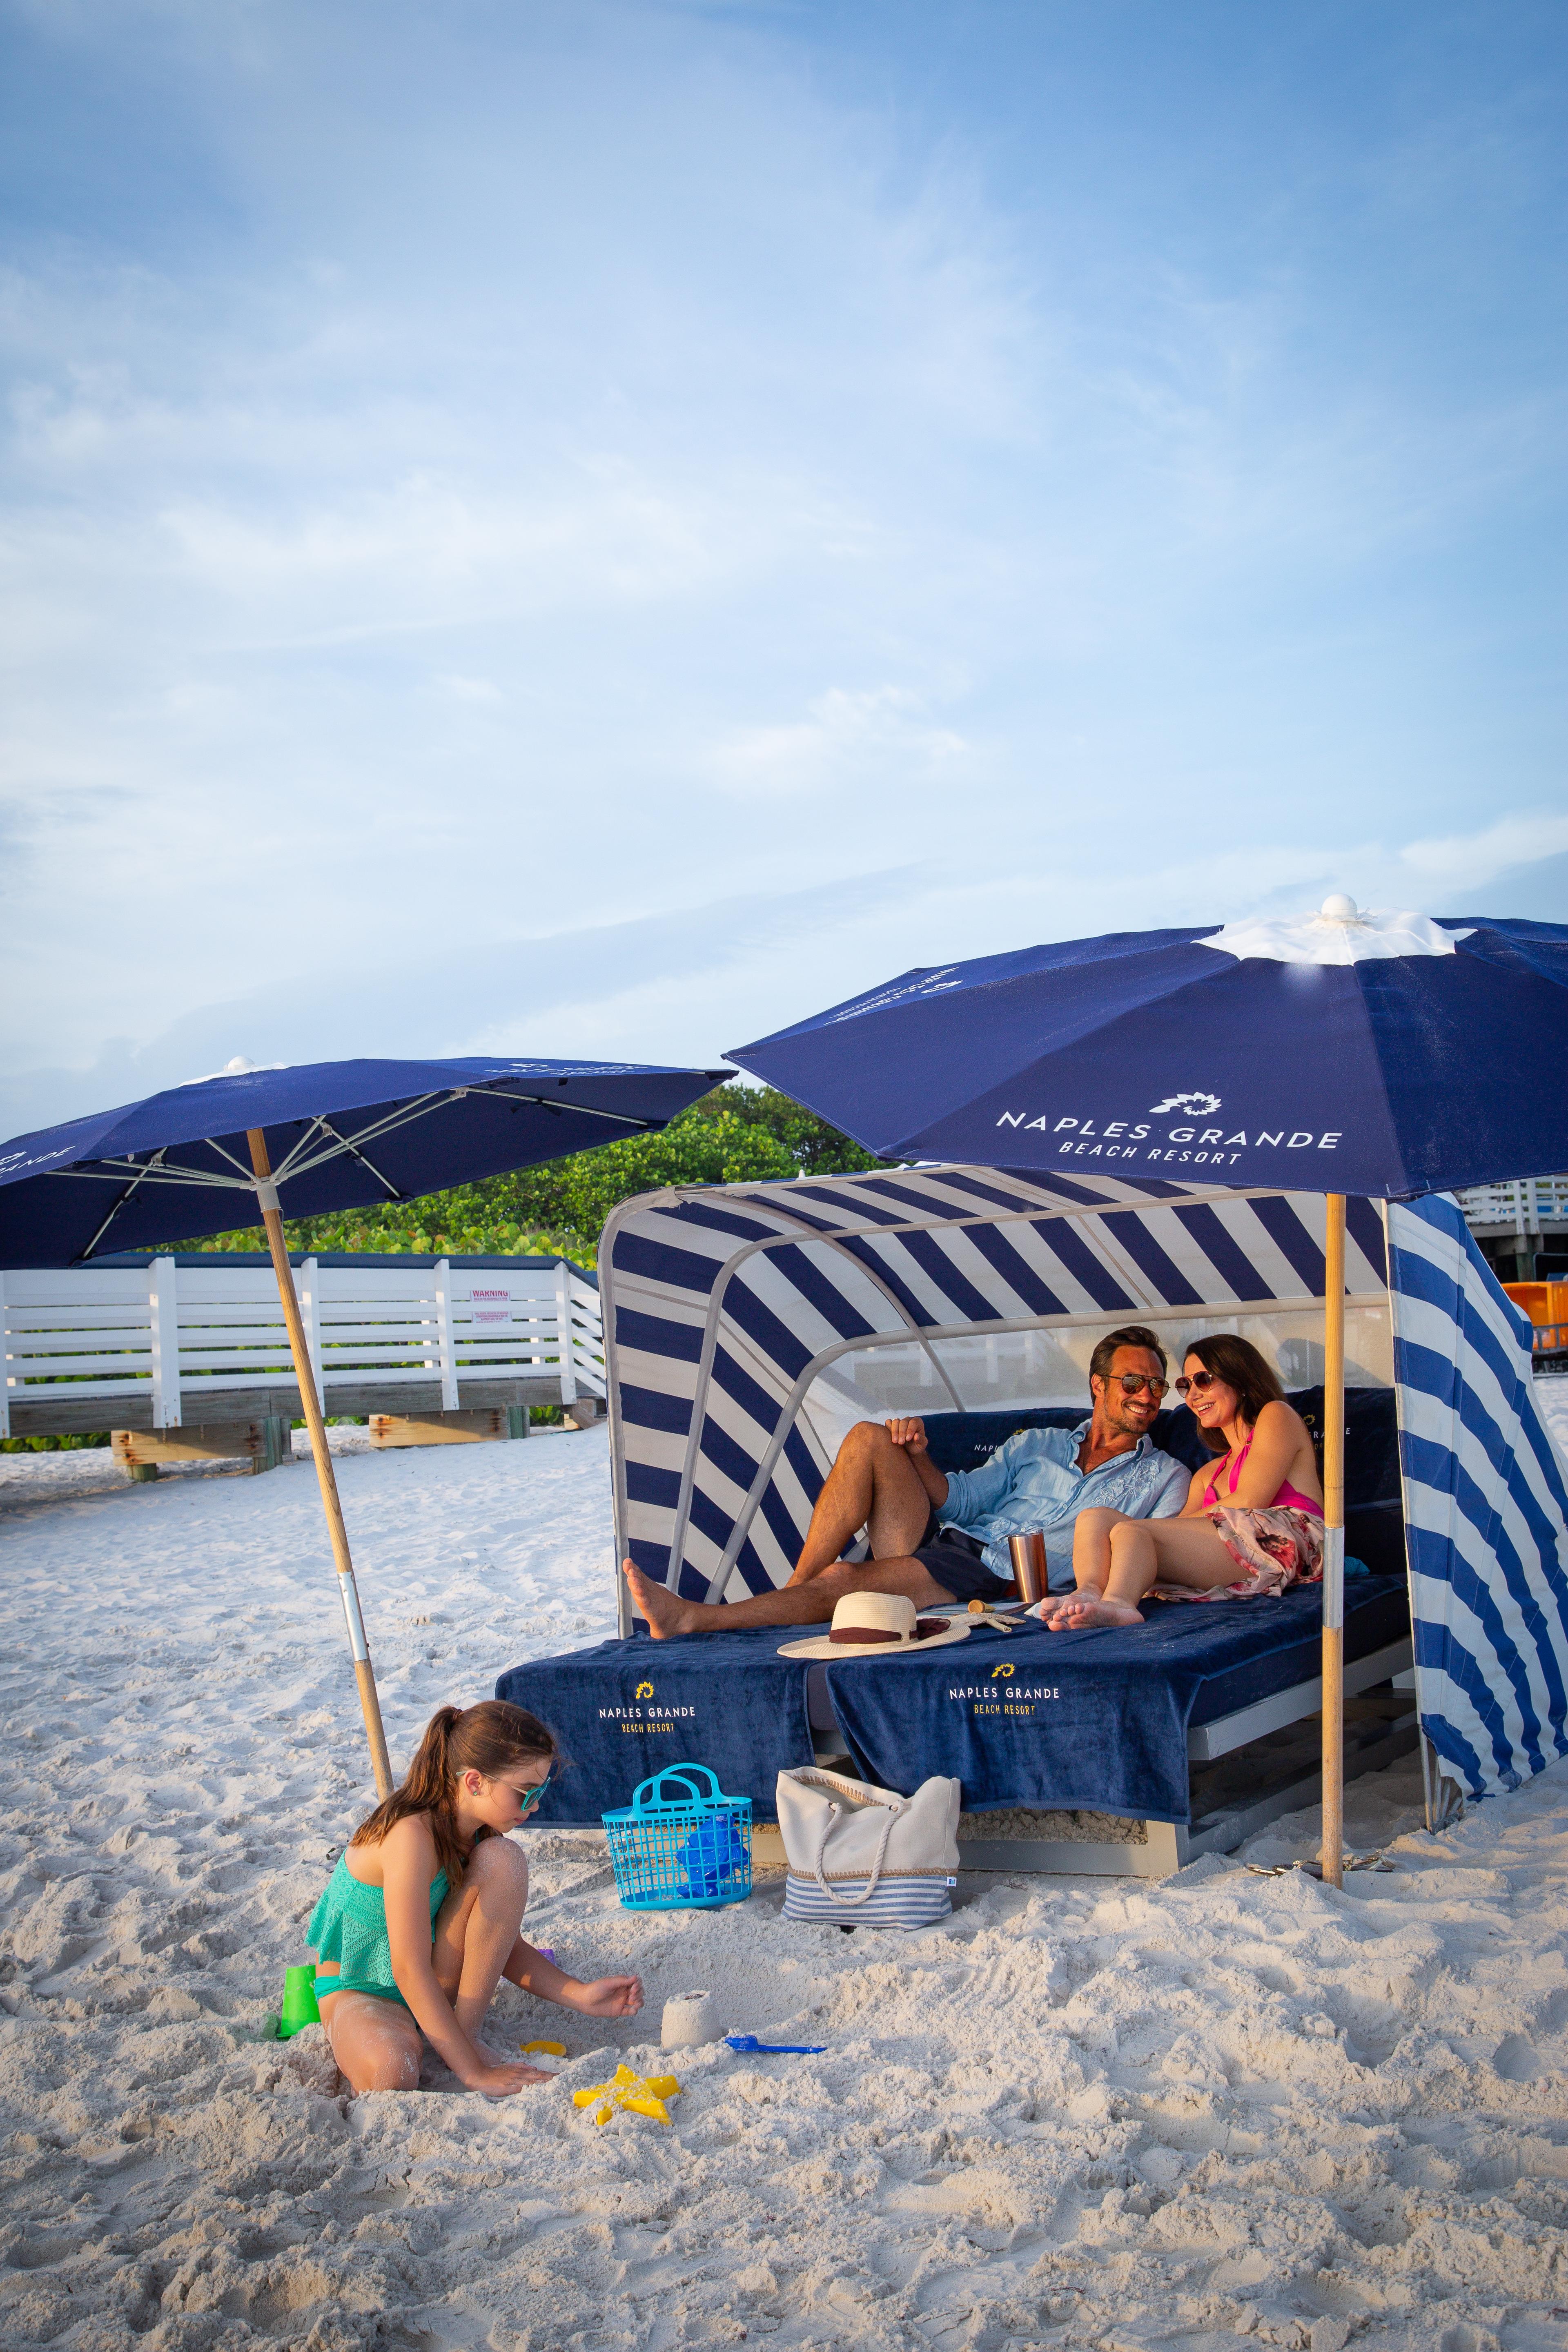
(728, 1311)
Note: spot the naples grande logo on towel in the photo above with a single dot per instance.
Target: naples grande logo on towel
(1013, 1698)
(642, 1717)
(1092, 1137)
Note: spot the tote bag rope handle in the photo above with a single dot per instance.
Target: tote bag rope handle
(849, 1902)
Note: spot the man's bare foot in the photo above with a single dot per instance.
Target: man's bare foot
(666, 1612)
(1091, 1608)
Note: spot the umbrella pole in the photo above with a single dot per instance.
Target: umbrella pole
(348, 1592)
(1332, 1850)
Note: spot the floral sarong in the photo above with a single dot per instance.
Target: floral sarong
(1274, 1549)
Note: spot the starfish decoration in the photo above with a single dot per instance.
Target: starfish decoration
(643, 2095)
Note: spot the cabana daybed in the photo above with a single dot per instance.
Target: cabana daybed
(747, 1328)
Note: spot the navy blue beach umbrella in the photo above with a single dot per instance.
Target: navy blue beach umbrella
(1388, 1054)
(302, 1141)
(338, 1135)
(1382, 1054)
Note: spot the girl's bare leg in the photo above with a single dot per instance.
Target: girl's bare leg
(376, 2043)
(476, 1929)
(1182, 1552)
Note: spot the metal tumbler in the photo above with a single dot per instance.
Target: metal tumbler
(1029, 1565)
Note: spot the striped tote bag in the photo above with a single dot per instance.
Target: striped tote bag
(863, 1856)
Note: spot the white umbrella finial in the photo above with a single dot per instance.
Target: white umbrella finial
(1337, 908)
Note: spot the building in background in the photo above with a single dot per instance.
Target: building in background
(1521, 1227)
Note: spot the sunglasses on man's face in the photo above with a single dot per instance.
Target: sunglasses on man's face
(1132, 1381)
(1198, 1381)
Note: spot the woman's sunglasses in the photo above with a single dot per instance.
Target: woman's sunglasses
(1199, 1380)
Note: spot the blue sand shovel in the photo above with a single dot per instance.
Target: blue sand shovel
(748, 2042)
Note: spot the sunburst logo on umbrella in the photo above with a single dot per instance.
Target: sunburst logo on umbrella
(1200, 1105)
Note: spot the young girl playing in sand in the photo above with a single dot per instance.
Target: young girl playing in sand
(419, 1920)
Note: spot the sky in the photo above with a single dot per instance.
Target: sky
(596, 530)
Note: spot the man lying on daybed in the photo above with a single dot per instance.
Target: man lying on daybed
(937, 1538)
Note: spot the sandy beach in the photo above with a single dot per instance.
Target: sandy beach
(1081, 2112)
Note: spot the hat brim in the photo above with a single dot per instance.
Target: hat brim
(823, 1645)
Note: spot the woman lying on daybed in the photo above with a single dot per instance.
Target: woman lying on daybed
(1252, 1522)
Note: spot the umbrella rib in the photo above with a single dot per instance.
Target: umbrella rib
(583, 1110)
(212, 1145)
(292, 1161)
(296, 1165)
(349, 1144)
(156, 1171)
(119, 1204)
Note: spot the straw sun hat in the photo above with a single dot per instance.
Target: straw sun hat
(876, 1625)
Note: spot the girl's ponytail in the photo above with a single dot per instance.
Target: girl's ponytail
(429, 1780)
(486, 1739)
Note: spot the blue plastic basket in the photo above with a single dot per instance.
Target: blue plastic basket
(690, 1854)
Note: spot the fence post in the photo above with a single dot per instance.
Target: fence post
(310, 1314)
(165, 1319)
(563, 1332)
(449, 1357)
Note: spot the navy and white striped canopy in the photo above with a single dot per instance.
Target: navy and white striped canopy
(747, 1327)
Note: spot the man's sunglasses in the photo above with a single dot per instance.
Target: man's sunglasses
(1132, 1381)
(1199, 1380)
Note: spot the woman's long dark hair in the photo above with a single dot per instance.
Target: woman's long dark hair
(488, 1738)
(1238, 1364)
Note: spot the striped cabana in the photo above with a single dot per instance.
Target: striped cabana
(748, 1327)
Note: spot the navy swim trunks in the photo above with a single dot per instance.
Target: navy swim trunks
(957, 1562)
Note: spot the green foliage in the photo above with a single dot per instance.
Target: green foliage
(68, 1444)
(736, 1135)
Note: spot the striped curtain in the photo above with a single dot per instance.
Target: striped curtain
(1486, 1509)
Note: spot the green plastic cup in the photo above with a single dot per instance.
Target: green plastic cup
(298, 2002)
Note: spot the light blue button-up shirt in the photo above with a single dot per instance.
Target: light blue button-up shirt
(1034, 1481)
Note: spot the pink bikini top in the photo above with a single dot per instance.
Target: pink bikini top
(1287, 1499)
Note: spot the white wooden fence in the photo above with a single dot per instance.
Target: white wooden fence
(168, 1345)
(1525, 1202)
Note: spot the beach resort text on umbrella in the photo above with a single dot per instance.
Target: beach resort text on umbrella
(1340, 1053)
(305, 1140)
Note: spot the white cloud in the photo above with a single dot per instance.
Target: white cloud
(872, 737)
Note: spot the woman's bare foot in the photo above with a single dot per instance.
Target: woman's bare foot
(1087, 1609)
(666, 1612)
(1053, 1616)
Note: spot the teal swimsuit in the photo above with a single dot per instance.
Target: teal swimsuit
(349, 1926)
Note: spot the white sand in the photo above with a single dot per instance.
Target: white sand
(1080, 2113)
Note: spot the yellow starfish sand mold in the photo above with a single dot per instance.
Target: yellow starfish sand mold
(641, 2094)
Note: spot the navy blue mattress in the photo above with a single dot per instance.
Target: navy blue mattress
(1096, 1719)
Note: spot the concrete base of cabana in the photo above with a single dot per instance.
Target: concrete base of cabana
(1248, 1769)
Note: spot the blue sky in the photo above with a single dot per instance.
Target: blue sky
(594, 529)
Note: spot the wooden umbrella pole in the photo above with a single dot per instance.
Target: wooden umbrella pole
(348, 1592)
(1333, 1851)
